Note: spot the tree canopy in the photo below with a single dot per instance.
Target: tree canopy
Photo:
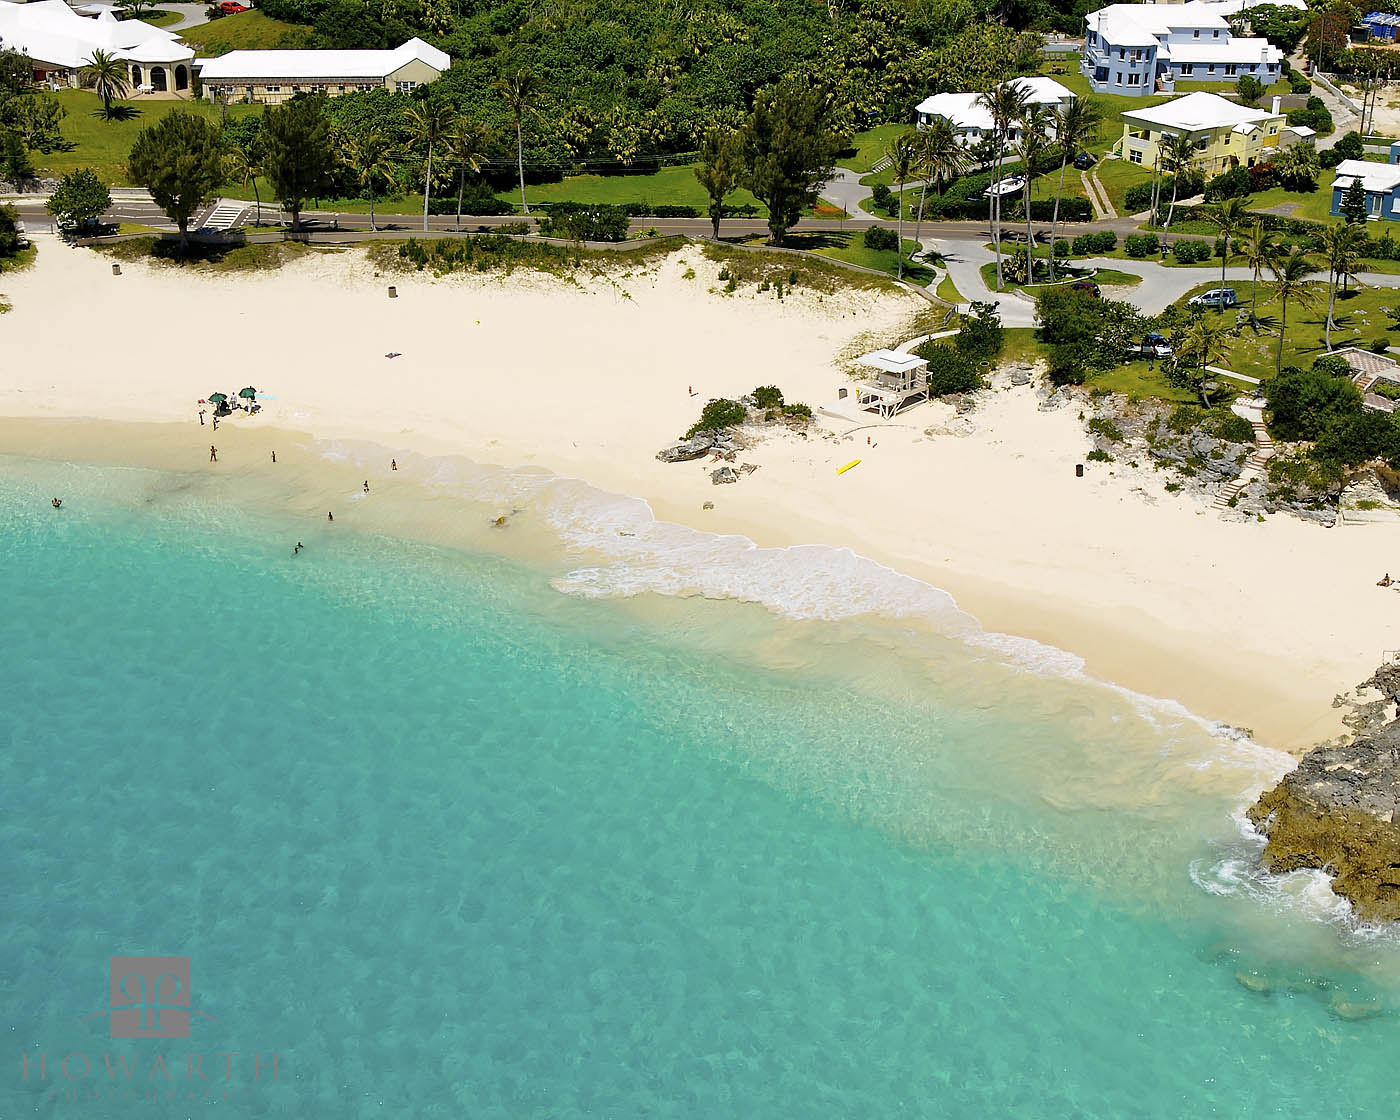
(80, 197)
(180, 160)
(297, 155)
(788, 147)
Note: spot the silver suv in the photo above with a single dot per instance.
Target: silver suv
(1219, 298)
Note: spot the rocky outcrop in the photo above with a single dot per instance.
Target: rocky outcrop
(1339, 811)
(687, 449)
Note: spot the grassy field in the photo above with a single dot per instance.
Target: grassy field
(671, 186)
(848, 247)
(245, 31)
(1135, 380)
(1312, 206)
(947, 290)
(104, 145)
(1117, 176)
(159, 18)
(870, 147)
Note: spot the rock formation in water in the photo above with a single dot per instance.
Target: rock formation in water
(1339, 811)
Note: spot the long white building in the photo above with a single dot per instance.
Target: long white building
(270, 77)
(968, 114)
(1145, 49)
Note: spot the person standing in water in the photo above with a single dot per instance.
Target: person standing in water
(330, 517)
(213, 454)
(57, 502)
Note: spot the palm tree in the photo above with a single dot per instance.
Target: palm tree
(903, 157)
(1291, 281)
(1076, 123)
(1341, 249)
(1035, 140)
(428, 124)
(941, 157)
(1005, 103)
(1261, 248)
(1229, 217)
(1207, 341)
(519, 90)
(370, 157)
(1180, 153)
(243, 166)
(108, 76)
(470, 145)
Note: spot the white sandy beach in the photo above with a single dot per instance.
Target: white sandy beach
(1259, 625)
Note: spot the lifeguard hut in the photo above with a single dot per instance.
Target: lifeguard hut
(900, 380)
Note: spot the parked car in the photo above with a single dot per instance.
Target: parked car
(1088, 287)
(1083, 161)
(1153, 345)
(1218, 298)
(1012, 185)
(232, 7)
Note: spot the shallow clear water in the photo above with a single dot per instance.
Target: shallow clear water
(452, 843)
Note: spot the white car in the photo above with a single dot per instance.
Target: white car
(1013, 185)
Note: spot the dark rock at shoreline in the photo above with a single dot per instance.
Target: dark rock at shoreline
(1339, 811)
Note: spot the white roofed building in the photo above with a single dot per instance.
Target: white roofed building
(60, 42)
(271, 77)
(968, 114)
(1224, 133)
(1143, 49)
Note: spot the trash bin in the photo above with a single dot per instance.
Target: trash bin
(393, 292)
(116, 270)
(1078, 470)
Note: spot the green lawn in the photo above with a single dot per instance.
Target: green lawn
(850, 248)
(947, 290)
(245, 31)
(159, 18)
(672, 186)
(1312, 206)
(870, 146)
(1117, 176)
(1359, 319)
(104, 145)
(1135, 380)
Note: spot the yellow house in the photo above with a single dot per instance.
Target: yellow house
(1225, 133)
(274, 76)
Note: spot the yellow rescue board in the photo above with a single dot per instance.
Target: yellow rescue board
(848, 466)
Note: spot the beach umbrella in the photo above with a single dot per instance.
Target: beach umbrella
(216, 398)
(248, 394)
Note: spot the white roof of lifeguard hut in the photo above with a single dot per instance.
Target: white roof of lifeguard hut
(891, 361)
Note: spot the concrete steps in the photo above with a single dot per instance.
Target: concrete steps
(224, 215)
(1254, 467)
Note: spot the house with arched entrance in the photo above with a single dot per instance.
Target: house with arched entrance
(60, 42)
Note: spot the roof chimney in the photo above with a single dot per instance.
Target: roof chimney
(1274, 108)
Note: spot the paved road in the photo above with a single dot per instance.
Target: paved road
(191, 15)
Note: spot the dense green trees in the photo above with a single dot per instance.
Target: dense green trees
(180, 160)
(720, 168)
(621, 81)
(789, 149)
(297, 155)
(79, 198)
(1084, 333)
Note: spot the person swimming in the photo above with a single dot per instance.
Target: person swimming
(57, 502)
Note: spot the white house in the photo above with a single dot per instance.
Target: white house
(969, 115)
(60, 42)
(1142, 49)
(272, 77)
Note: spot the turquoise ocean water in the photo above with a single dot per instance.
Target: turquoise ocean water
(455, 838)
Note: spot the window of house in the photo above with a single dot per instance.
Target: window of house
(1273, 130)
(1210, 69)
(1134, 79)
(405, 87)
(272, 89)
(1122, 54)
(1118, 77)
(1230, 69)
(1187, 68)
(1195, 34)
(1215, 34)
(1134, 155)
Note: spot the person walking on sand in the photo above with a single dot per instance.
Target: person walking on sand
(274, 456)
(393, 464)
(201, 417)
(213, 454)
(216, 423)
(366, 486)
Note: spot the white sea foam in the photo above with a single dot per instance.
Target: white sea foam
(629, 552)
